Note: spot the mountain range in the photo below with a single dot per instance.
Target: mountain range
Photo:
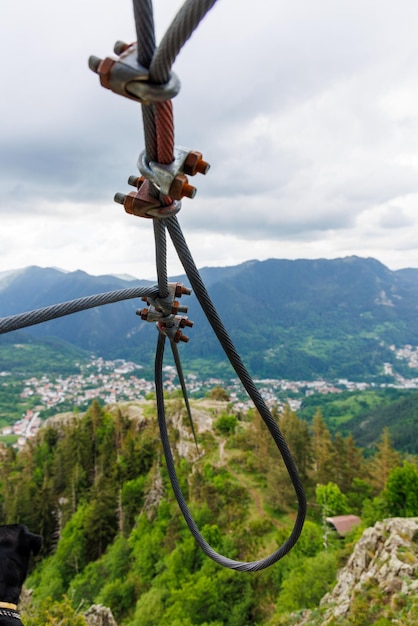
(298, 320)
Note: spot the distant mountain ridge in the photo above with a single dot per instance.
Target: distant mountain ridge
(289, 319)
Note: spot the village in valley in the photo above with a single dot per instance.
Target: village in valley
(121, 381)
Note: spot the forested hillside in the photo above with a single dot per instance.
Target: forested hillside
(289, 319)
(96, 487)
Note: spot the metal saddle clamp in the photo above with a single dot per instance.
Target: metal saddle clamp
(143, 203)
(126, 77)
(171, 179)
(165, 313)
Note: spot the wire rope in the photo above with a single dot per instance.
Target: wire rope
(203, 297)
(183, 386)
(158, 125)
(185, 22)
(45, 314)
(161, 256)
(242, 566)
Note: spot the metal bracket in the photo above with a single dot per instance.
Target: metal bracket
(163, 175)
(143, 204)
(170, 178)
(126, 77)
(165, 312)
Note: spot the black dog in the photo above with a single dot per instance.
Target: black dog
(16, 545)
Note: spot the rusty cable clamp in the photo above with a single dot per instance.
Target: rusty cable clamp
(126, 77)
(165, 313)
(170, 180)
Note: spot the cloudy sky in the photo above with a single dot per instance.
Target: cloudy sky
(307, 111)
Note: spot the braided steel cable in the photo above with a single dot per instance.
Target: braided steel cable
(161, 256)
(242, 566)
(177, 361)
(164, 127)
(180, 30)
(158, 118)
(45, 314)
(159, 143)
(145, 33)
(236, 362)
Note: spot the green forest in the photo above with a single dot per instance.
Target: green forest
(96, 487)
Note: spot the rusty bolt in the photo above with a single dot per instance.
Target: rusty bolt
(185, 322)
(143, 313)
(180, 337)
(103, 69)
(120, 198)
(94, 63)
(135, 181)
(177, 308)
(180, 187)
(120, 47)
(194, 164)
(181, 290)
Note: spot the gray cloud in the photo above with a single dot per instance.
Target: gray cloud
(306, 111)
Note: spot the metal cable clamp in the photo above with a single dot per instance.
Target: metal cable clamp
(171, 179)
(143, 203)
(165, 312)
(126, 77)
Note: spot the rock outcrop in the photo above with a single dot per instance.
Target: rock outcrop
(99, 615)
(385, 559)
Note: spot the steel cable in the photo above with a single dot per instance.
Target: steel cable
(22, 320)
(183, 25)
(246, 380)
(159, 145)
(180, 374)
(161, 256)
(145, 31)
(180, 30)
(242, 566)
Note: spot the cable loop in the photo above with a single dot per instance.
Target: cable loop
(159, 190)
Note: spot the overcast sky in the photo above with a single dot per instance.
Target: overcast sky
(307, 111)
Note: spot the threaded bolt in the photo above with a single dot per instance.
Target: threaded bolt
(180, 337)
(181, 290)
(120, 47)
(186, 322)
(120, 198)
(135, 181)
(143, 314)
(194, 164)
(94, 63)
(180, 187)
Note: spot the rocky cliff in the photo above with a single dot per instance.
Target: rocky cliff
(380, 580)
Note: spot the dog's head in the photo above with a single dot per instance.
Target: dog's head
(17, 543)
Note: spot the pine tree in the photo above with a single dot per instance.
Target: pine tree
(383, 462)
(347, 461)
(296, 433)
(297, 436)
(323, 465)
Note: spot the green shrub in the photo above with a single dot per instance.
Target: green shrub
(226, 424)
